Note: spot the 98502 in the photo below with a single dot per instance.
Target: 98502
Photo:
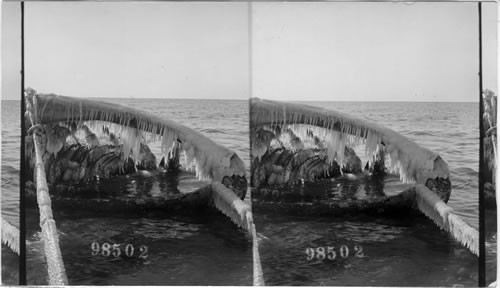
(332, 252)
(116, 250)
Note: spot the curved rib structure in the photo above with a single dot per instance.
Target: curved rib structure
(210, 160)
(61, 115)
(413, 163)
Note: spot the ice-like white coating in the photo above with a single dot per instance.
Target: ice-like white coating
(444, 216)
(209, 160)
(412, 162)
(10, 236)
(233, 207)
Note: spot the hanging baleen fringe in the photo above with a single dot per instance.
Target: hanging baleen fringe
(412, 162)
(129, 127)
(10, 236)
(209, 160)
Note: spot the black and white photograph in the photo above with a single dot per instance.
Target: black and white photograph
(10, 141)
(211, 143)
(364, 124)
(136, 143)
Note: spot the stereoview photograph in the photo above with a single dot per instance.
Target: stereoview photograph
(364, 142)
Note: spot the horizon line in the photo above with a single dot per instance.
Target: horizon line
(293, 100)
(389, 101)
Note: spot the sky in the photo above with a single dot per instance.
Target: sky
(300, 51)
(11, 50)
(126, 49)
(370, 51)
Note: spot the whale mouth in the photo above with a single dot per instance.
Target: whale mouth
(334, 131)
(85, 142)
(89, 158)
(62, 115)
(294, 145)
(296, 176)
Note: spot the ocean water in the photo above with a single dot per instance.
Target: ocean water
(398, 251)
(11, 133)
(194, 249)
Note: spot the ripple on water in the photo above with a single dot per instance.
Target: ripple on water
(397, 252)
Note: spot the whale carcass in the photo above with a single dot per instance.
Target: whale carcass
(114, 140)
(296, 143)
(74, 143)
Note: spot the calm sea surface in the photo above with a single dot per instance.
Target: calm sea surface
(403, 251)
